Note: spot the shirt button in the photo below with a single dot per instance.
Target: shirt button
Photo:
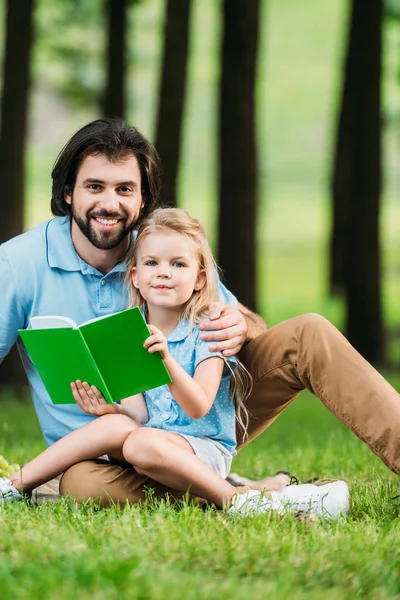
(168, 395)
(103, 282)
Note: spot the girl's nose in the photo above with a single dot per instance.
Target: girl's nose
(164, 271)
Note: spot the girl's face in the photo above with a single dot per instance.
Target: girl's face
(167, 271)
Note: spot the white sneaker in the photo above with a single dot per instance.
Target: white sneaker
(8, 493)
(329, 500)
(252, 502)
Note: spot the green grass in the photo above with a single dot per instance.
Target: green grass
(160, 550)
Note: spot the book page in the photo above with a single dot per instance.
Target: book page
(97, 319)
(58, 322)
(49, 322)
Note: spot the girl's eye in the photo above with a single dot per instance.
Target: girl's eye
(177, 264)
(150, 263)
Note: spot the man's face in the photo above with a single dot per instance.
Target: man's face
(106, 200)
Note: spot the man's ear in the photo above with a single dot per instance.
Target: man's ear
(201, 280)
(134, 278)
(67, 195)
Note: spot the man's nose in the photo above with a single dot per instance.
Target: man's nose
(110, 200)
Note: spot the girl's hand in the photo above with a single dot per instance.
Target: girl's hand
(91, 400)
(157, 342)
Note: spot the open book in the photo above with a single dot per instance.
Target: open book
(106, 352)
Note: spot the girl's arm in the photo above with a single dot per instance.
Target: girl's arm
(195, 395)
(92, 401)
(135, 408)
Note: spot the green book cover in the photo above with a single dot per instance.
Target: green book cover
(106, 352)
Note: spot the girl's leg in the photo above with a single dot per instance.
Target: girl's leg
(169, 459)
(104, 435)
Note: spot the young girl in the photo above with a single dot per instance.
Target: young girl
(181, 435)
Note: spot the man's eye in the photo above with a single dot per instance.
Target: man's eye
(124, 190)
(94, 187)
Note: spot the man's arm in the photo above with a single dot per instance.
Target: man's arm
(231, 327)
(255, 324)
(1, 360)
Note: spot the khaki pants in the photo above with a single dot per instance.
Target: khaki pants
(304, 352)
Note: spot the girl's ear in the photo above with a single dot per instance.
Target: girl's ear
(201, 280)
(134, 277)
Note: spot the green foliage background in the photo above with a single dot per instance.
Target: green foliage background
(299, 81)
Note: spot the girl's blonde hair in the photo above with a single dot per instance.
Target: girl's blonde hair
(197, 307)
(178, 220)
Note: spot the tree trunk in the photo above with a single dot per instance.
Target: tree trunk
(14, 113)
(172, 95)
(355, 247)
(114, 98)
(237, 149)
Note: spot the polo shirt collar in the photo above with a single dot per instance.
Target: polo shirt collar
(61, 253)
(181, 331)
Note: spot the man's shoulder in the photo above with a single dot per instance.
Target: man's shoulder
(30, 245)
(26, 241)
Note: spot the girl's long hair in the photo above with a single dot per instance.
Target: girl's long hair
(197, 307)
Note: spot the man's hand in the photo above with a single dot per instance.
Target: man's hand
(227, 326)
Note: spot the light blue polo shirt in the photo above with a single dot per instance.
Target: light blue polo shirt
(41, 274)
(165, 413)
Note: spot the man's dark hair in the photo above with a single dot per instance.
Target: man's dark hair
(116, 140)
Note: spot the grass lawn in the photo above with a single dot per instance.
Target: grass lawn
(67, 551)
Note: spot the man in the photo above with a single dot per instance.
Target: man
(104, 181)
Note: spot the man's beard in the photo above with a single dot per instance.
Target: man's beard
(103, 240)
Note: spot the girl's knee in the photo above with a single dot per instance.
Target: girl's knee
(142, 450)
(119, 421)
(115, 426)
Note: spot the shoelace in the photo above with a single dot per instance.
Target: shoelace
(303, 504)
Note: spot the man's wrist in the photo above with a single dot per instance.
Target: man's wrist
(255, 326)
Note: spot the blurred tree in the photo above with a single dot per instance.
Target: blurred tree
(14, 113)
(71, 63)
(172, 94)
(392, 9)
(237, 149)
(114, 97)
(355, 252)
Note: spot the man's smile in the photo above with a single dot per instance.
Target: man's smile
(103, 221)
(107, 222)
